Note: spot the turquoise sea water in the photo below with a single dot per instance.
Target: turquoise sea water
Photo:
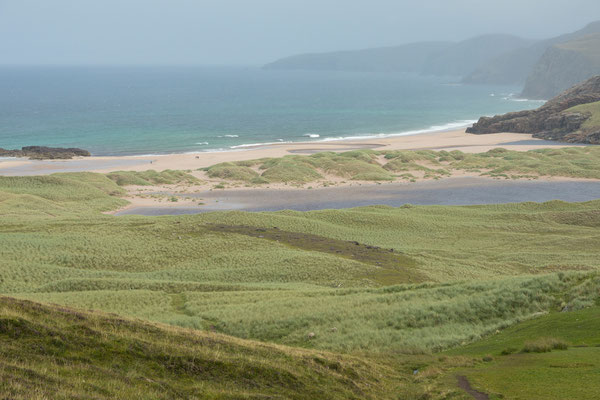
(143, 110)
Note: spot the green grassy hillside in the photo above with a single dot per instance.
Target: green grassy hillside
(390, 284)
(58, 353)
(588, 45)
(569, 372)
(233, 271)
(593, 122)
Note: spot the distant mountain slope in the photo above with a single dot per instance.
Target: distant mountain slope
(572, 116)
(434, 58)
(564, 65)
(461, 58)
(514, 67)
(406, 58)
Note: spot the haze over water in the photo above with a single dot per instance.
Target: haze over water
(150, 110)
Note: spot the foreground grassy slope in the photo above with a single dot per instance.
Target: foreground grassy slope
(373, 283)
(55, 352)
(52, 352)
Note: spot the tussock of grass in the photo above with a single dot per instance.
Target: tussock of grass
(232, 172)
(58, 194)
(373, 176)
(151, 177)
(543, 345)
(289, 170)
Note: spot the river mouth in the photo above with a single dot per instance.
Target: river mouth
(453, 191)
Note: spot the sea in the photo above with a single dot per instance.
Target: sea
(161, 110)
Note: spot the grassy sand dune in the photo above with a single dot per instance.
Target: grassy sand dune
(371, 165)
(356, 167)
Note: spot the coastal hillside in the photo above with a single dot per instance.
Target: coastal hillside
(572, 116)
(433, 58)
(545, 67)
(405, 58)
(562, 66)
(516, 66)
(54, 352)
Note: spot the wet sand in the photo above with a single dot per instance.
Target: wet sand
(452, 191)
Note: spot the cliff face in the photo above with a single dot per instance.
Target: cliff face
(552, 121)
(517, 66)
(562, 66)
(511, 68)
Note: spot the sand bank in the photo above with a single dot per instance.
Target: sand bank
(450, 140)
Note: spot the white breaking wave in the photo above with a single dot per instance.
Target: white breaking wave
(512, 97)
(435, 128)
(242, 146)
(229, 136)
(521, 100)
(312, 135)
(432, 129)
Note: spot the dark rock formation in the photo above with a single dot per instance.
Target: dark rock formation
(45, 153)
(551, 121)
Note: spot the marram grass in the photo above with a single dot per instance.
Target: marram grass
(476, 281)
(370, 165)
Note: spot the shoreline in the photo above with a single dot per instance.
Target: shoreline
(432, 140)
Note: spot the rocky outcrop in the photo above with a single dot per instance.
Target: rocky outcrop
(45, 153)
(552, 121)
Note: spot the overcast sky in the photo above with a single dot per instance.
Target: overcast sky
(257, 31)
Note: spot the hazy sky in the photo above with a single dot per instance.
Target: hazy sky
(258, 31)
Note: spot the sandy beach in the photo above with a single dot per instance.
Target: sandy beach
(449, 140)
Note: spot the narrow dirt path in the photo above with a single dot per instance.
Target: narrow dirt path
(464, 384)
